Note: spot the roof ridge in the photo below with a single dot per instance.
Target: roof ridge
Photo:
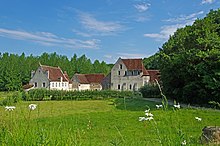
(50, 66)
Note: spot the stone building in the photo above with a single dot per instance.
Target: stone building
(87, 82)
(129, 74)
(49, 77)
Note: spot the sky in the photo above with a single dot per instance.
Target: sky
(100, 29)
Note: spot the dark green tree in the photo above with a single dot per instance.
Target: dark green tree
(190, 61)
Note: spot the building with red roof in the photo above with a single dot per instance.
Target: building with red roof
(87, 81)
(50, 77)
(129, 74)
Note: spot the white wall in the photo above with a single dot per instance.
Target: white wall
(59, 85)
(84, 87)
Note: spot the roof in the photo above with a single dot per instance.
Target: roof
(154, 75)
(89, 78)
(135, 64)
(55, 73)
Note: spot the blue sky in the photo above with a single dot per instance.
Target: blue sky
(100, 29)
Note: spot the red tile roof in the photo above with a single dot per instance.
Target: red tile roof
(154, 74)
(55, 73)
(135, 64)
(89, 78)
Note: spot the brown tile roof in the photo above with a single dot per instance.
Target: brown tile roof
(135, 64)
(89, 78)
(55, 73)
(154, 74)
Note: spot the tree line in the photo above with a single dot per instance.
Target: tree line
(15, 70)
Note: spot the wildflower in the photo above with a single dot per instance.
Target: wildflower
(159, 106)
(141, 119)
(149, 114)
(198, 119)
(149, 118)
(9, 108)
(147, 111)
(32, 106)
(177, 105)
(184, 142)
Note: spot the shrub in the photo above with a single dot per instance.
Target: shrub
(43, 94)
(150, 91)
(11, 99)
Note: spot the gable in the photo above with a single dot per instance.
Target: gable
(54, 73)
(132, 64)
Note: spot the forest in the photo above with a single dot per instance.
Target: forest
(15, 70)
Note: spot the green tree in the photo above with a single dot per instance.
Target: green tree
(190, 61)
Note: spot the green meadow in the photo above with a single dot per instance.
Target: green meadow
(109, 122)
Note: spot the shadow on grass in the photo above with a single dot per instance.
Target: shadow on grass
(133, 104)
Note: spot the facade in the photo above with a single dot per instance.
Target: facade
(50, 77)
(87, 82)
(129, 74)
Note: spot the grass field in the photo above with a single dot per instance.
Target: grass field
(102, 123)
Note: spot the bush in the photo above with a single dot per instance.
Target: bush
(11, 99)
(43, 94)
(150, 91)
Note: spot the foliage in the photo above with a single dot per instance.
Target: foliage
(15, 70)
(150, 91)
(152, 62)
(190, 62)
(44, 94)
(11, 99)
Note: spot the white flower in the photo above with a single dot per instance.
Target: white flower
(159, 106)
(147, 111)
(149, 118)
(149, 114)
(9, 108)
(177, 105)
(141, 119)
(32, 106)
(184, 142)
(198, 119)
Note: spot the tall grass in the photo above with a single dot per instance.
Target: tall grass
(101, 122)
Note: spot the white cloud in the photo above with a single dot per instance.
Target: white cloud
(105, 28)
(49, 39)
(168, 30)
(183, 18)
(207, 1)
(142, 7)
(108, 56)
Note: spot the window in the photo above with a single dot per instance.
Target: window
(118, 87)
(59, 85)
(35, 84)
(119, 73)
(120, 66)
(44, 84)
(130, 87)
(52, 84)
(125, 73)
(62, 84)
(56, 84)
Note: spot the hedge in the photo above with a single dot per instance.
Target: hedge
(44, 94)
